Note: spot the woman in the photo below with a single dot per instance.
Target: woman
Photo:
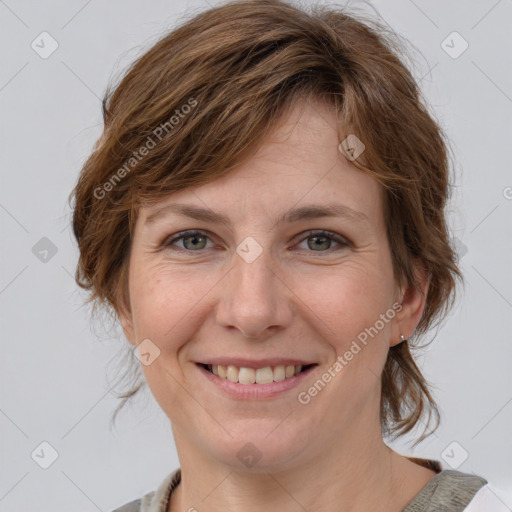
(264, 212)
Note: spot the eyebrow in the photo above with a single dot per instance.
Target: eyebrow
(298, 214)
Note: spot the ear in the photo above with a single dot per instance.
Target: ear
(413, 304)
(125, 319)
(122, 305)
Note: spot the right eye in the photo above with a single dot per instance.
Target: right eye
(191, 241)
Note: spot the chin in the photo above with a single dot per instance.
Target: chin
(258, 446)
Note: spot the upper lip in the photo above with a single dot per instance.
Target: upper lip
(253, 363)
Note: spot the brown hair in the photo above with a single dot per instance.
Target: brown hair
(237, 68)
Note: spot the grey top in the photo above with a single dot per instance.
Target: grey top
(448, 491)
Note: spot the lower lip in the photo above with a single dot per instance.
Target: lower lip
(255, 391)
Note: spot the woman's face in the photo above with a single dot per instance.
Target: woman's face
(265, 281)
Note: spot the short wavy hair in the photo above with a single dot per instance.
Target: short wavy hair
(202, 97)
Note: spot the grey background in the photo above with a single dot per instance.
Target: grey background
(57, 367)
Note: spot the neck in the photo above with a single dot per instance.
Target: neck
(351, 478)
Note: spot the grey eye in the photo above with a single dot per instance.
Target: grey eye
(192, 242)
(323, 241)
(319, 243)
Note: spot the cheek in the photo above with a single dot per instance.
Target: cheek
(166, 303)
(165, 309)
(349, 296)
(347, 302)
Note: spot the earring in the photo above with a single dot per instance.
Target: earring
(402, 337)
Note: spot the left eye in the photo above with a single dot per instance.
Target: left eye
(318, 241)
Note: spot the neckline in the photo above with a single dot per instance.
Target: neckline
(427, 492)
(174, 479)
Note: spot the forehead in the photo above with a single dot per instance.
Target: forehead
(296, 163)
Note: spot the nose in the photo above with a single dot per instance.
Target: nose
(254, 299)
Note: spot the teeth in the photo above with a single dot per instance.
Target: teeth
(279, 373)
(247, 376)
(232, 373)
(264, 375)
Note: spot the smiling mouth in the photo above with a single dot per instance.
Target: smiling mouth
(247, 376)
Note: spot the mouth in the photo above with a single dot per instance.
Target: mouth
(247, 376)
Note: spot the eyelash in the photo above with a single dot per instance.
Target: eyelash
(167, 244)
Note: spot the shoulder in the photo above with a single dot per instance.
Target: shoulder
(141, 505)
(154, 501)
(454, 491)
(449, 490)
(133, 506)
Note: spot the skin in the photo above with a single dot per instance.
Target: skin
(295, 300)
